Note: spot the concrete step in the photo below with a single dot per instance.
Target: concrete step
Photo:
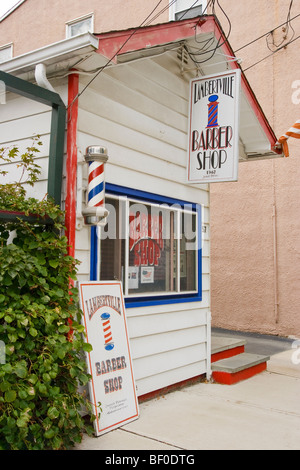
(240, 367)
(223, 347)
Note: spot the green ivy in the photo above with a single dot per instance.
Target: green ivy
(41, 406)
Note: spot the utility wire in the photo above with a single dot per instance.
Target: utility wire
(287, 25)
(270, 55)
(263, 35)
(282, 44)
(116, 53)
(204, 50)
(160, 12)
(146, 22)
(192, 6)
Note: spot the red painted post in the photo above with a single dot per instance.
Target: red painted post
(71, 169)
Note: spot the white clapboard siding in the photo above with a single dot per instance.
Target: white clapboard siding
(24, 127)
(164, 318)
(171, 376)
(21, 120)
(119, 92)
(171, 178)
(16, 107)
(162, 76)
(143, 346)
(139, 112)
(159, 363)
(143, 84)
(130, 118)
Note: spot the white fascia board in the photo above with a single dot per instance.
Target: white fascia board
(53, 53)
(13, 8)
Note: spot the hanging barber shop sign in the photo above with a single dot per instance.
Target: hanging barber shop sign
(213, 148)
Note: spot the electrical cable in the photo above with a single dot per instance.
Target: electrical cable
(204, 50)
(146, 22)
(270, 55)
(186, 11)
(159, 13)
(263, 35)
(287, 25)
(116, 53)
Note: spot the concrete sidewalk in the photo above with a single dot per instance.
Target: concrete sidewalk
(261, 413)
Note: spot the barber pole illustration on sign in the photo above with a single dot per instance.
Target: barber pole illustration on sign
(213, 147)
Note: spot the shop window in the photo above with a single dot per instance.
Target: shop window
(6, 52)
(80, 25)
(152, 246)
(184, 9)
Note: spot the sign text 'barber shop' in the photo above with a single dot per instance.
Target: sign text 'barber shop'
(213, 147)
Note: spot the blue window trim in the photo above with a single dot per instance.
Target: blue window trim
(155, 198)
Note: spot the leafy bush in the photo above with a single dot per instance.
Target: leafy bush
(40, 402)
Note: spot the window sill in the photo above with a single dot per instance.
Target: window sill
(161, 300)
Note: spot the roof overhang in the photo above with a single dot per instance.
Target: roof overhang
(58, 56)
(88, 53)
(257, 139)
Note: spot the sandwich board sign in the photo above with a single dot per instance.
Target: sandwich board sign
(109, 363)
(213, 145)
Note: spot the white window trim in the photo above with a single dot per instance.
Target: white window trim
(173, 8)
(10, 47)
(177, 211)
(77, 20)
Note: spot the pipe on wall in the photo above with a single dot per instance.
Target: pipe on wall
(71, 163)
(41, 77)
(275, 260)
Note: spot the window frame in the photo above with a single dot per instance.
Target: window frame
(173, 8)
(143, 300)
(8, 47)
(70, 23)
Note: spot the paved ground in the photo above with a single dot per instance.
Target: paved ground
(267, 345)
(262, 412)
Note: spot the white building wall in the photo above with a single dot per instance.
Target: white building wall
(139, 111)
(22, 119)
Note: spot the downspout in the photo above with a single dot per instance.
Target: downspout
(71, 165)
(274, 218)
(41, 77)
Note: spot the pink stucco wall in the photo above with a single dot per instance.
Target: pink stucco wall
(44, 22)
(255, 257)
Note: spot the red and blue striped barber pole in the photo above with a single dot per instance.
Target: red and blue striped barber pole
(213, 108)
(96, 184)
(95, 211)
(108, 340)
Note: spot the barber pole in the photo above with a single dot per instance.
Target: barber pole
(294, 132)
(95, 211)
(108, 340)
(96, 184)
(213, 111)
